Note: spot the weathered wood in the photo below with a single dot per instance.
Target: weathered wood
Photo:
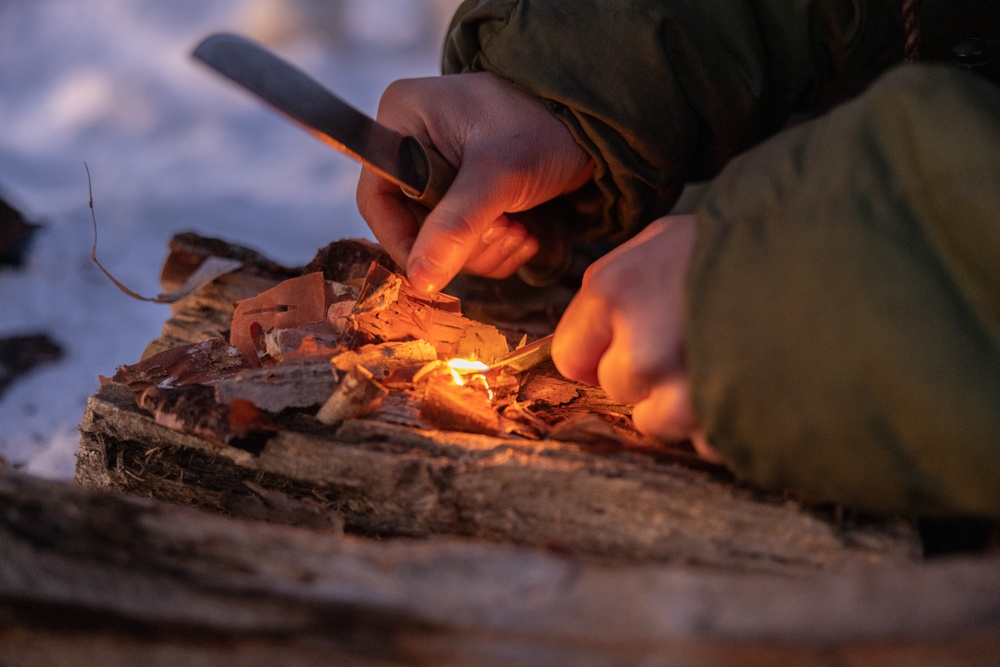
(608, 501)
(90, 578)
(396, 481)
(595, 550)
(447, 406)
(356, 396)
(389, 308)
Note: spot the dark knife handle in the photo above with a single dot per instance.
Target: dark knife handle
(432, 169)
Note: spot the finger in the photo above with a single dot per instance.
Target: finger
(524, 252)
(705, 449)
(635, 362)
(506, 252)
(497, 244)
(582, 337)
(639, 350)
(392, 216)
(619, 372)
(454, 229)
(666, 413)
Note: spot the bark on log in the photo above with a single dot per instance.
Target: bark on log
(90, 578)
(388, 481)
(385, 480)
(616, 574)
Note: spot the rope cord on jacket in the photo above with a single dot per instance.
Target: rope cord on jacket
(911, 26)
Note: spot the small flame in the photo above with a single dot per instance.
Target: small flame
(467, 366)
(474, 369)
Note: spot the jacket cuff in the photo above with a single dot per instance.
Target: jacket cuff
(661, 93)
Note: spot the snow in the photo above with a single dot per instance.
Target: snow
(171, 147)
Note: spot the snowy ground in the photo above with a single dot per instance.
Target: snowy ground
(171, 147)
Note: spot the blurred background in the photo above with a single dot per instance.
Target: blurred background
(171, 147)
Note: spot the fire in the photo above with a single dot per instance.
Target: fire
(468, 372)
(460, 366)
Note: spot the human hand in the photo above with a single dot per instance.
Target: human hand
(624, 330)
(512, 154)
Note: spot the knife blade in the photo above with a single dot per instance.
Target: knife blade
(418, 169)
(526, 357)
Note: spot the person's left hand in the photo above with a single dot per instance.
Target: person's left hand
(624, 330)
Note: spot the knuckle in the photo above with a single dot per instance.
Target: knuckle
(394, 94)
(607, 280)
(456, 230)
(400, 100)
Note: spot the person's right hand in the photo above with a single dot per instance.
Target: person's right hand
(512, 154)
(625, 330)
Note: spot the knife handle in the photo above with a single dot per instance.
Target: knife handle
(432, 170)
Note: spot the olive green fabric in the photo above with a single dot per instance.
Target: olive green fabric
(844, 335)
(844, 297)
(661, 92)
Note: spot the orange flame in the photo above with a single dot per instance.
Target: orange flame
(460, 368)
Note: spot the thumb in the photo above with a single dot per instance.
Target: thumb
(454, 230)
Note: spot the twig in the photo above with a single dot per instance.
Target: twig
(210, 269)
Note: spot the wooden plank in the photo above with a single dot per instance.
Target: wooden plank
(91, 578)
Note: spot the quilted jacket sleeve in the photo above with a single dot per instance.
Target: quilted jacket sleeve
(662, 92)
(844, 296)
(844, 325)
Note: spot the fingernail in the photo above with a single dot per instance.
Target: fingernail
(497, 228)
(528, 248)
(516, 236)
(425, 276)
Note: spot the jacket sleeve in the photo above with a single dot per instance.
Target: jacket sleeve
(844, 296)
(662, 92)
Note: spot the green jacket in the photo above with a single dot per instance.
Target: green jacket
(844, 296)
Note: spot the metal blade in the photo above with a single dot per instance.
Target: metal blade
(527, 357)
(297, 95)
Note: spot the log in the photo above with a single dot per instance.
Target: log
(385, 541)
(91, 578)
(394, 481)
(588, 498)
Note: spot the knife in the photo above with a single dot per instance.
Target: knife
(526, 357)
(418, 169)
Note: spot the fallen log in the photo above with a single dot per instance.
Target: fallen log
(566, 543)
(390, 481)
(90, 578)
(600, 496)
